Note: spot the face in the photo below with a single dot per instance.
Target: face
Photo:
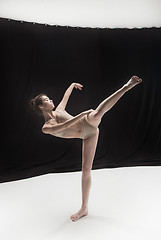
(47, 104)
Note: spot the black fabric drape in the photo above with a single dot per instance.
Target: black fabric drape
(46, 59)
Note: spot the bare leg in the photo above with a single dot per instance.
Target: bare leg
(88, 153)
(94, 118)
(90, 144)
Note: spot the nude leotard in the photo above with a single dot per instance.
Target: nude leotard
(62, 117)
(87, 129)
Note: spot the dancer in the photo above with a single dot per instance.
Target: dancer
(59, 123)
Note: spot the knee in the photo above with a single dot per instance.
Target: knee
(86, 171)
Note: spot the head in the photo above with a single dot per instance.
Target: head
(41, 103)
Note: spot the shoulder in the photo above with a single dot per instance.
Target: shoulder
(58, 109)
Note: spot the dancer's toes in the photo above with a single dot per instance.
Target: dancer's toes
(135, 80)
(82, 212)
(132, 82)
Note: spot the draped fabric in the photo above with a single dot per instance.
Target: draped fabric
(38, 58)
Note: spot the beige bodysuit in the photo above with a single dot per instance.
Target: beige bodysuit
(86, 129)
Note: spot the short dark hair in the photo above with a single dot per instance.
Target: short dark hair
(35, 102)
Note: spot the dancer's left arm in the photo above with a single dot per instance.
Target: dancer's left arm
(67, 94)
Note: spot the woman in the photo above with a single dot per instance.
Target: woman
(85, 126)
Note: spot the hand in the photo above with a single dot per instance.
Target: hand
(77, 85)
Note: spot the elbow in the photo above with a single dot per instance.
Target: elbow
(45, 130)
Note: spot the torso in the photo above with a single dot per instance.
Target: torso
(74, 131)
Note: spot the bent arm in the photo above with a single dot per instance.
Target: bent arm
(65, 98)
(61, 126)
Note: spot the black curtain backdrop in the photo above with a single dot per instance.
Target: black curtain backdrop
(38, 58)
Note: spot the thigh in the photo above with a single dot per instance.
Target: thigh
(88, 151)
(92, 119)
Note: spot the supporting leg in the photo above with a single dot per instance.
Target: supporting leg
(88, 153)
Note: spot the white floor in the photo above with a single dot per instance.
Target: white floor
(124, 204)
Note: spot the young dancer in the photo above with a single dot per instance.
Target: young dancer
(59, 123)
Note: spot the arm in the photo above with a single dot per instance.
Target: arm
(68, 123)
(67, 94)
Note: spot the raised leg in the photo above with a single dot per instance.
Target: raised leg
(90, 144)
(88, 152)
(94, 118)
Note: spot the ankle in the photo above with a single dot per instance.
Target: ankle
(125, 87)
(84, 207)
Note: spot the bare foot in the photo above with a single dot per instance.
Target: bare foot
(132, 82)
(82, 212)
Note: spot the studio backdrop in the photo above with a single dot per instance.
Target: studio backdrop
(38, 58)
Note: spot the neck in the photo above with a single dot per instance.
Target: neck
(48, 115)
